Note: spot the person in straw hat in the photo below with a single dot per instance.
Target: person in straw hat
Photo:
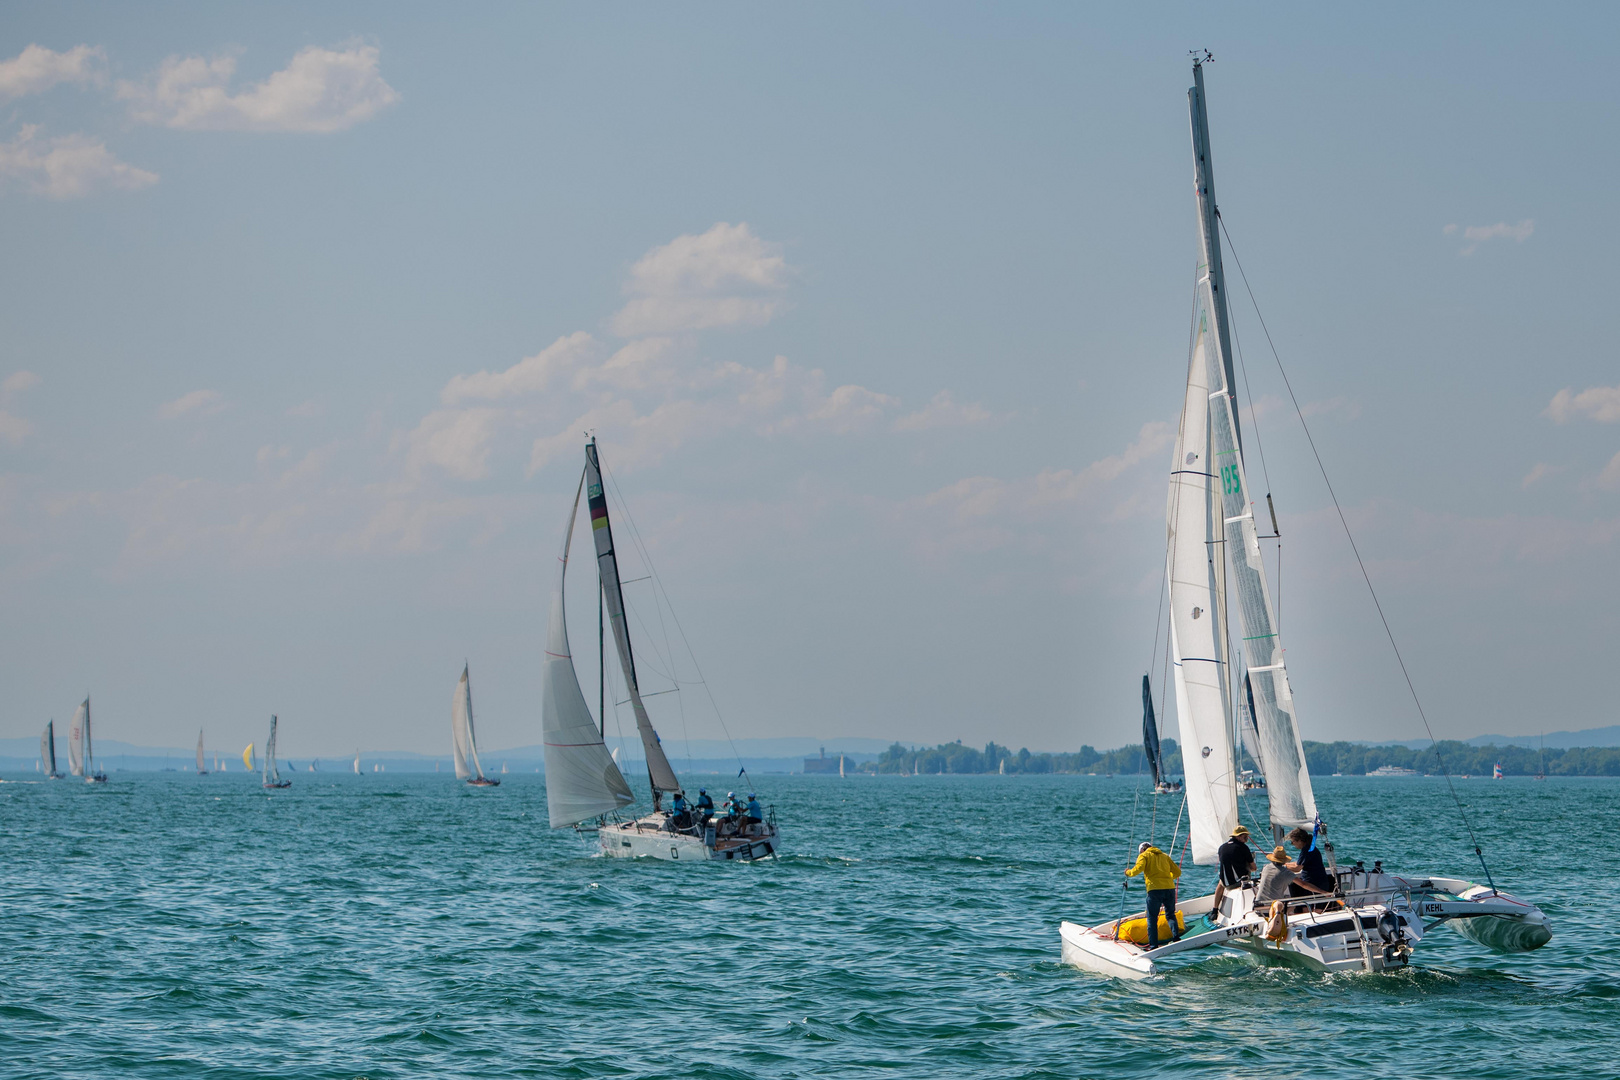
(1237, 863)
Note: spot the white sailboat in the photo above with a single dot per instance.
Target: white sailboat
(47, 751)
(1376, 917)
(81, 757)
(462, 740)
(357, 771)
(201, 768)
(271, 776)
(583, 781)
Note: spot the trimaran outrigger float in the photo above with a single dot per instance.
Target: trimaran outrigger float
(583, 781)
(1214, 559)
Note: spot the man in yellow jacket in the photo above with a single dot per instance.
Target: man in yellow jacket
(1159, 872)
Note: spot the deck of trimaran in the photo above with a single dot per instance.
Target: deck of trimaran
(1237, 692)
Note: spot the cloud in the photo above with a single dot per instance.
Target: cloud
(942, 412)
(726, 276)
(197, 403)
(321, 90)
(1600, 403)
(1609, 478)
(1540, 472)
(455, 440)
(14, 429)
(1480, 234)
(36, 69)
(66, 167)
(529, 375)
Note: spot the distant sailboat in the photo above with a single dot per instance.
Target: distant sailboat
(247, 758)
(271, 775)
(47, 750)
(582, 779)
(461, 736)
(81, 758)
(201, 771)
(357, 771)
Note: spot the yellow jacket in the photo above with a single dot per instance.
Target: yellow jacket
(1157, 868)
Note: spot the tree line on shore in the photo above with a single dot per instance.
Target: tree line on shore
(1349, 759)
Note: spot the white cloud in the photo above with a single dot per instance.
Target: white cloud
(849, 407)
(36, 69)
(1480, 234)
(726, 276)
(455, 440)
(1539, 472)
(527, 376)
(1600, 403)
(66, 167)
(1609, 478)
(321, 90)
(941, 412)
(14, 429)
(196, 403)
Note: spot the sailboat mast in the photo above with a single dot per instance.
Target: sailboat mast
(601, 660)
(1209, 230)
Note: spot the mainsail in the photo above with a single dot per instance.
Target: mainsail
(47, 748)
(271, 774)
(77, 734)
(200, 769)
(582, 780)
(1150, 732)
(461, 731)
(1282, 756)
(1196, 642)
(607, 563)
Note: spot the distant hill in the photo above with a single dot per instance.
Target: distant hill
(1556, 740)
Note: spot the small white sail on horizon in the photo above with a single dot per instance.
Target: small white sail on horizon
(201, 769)
(462, 740)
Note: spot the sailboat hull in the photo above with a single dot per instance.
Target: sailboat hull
(649, 838)
(483, 781)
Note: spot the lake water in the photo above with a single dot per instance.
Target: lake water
(168, 925)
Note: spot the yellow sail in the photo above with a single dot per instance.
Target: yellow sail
(247, 758)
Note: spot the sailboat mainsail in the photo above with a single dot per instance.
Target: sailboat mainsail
(201, 770)
(47, 748)
(582, 779)
(1150, 732)
(271, 775)
(357, 763)
(1282, 755)
(607, 563)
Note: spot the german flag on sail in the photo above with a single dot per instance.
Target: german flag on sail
(599, 518)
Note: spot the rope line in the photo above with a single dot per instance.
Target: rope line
(1389, 633)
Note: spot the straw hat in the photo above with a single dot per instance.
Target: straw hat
(1278, 856)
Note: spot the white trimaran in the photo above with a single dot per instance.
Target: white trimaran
(81, 757)
(1377, 917)
(461, 736)
(583, 781)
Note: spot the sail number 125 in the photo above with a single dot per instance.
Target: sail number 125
(1229, 480)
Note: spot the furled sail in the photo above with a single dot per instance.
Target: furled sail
(47, 748)
(582, 780)
(461, 731)
(1196, 640)
(607, 562)
(1150, 731)
(1282, 756)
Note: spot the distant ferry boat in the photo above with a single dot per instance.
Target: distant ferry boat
(1393, 770)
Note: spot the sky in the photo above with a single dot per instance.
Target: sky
(880, 315)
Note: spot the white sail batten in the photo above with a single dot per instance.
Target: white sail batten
(1195, 625)
(582, 780)
(607, 562)
(1282, 755)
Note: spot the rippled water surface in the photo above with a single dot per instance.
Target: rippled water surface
(168, 925)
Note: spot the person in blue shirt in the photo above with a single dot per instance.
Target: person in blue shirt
(705, 805)
(755, 816)
(681, 813)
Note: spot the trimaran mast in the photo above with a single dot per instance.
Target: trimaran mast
(1210, 452)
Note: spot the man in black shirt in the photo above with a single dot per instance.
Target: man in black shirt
(1237, 863)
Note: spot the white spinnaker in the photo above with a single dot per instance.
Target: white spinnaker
(1282, 755)
(1195, 625)
(461, 726)
(582, 780)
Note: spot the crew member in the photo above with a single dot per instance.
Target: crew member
(1237, 863)
(754, 815)
(1311, 871)
(705, 806)
(1159, 872)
